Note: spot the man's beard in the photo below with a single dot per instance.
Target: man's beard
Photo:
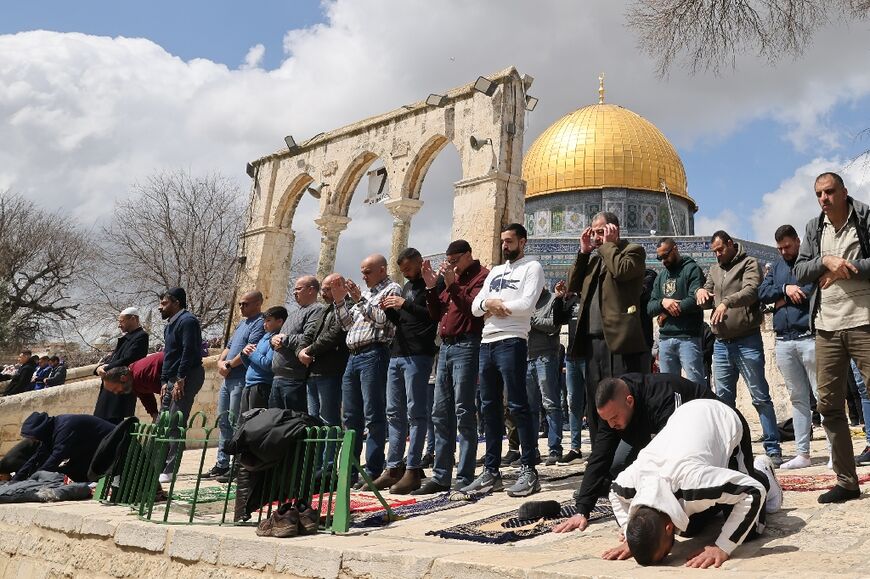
(510, 255)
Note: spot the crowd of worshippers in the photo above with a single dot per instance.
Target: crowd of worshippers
(362, 357)
(32, 373)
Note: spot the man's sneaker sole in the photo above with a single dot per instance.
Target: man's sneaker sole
(535, 488)
(495, 487)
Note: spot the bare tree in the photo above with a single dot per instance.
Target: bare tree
(175, 230)
(42, 256)
(708, 34)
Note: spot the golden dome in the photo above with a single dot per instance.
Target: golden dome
(603, 145)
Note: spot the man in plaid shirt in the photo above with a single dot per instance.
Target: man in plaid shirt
(369, 334)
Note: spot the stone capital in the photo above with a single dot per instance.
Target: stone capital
(403, 209)
(332, 224)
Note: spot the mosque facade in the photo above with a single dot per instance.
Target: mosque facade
(604, 157)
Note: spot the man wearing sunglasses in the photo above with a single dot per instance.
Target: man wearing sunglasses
(680, 318)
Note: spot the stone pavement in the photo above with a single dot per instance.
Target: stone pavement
(91, 540)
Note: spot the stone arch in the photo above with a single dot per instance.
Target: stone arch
(289, 201)
(419, 166)
(350, 179)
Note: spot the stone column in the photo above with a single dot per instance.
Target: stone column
(402, 210)
(482, 206)
(267, 253)
(330, 227)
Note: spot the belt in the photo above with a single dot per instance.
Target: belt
(366, 348)
(451, 340)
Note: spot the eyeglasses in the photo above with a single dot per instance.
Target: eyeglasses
(664, 256)
(454, 260)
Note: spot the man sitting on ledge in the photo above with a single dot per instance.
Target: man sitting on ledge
(700, 464)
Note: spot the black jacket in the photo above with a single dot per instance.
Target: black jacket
(326, 341)
(415, 329)
(131, 346)
(266, 435)
(182, 347)
(546, 327)
(20, 381)
(656, 396)
(69, 438)
(57, 376)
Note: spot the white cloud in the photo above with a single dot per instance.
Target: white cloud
(254, 57)
(727, 220)
(83, 117)
(794, 201)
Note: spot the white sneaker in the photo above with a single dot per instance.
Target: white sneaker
(800, 461)
(831, 462)
(774, 494)
(165, 478)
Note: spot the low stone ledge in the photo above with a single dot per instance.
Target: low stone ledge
(248, 553)
(191, 545)
(63, 521)
(140, 535)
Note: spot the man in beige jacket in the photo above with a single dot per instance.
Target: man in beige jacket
(732, 289)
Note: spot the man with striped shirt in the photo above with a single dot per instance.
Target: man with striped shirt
(369, 334)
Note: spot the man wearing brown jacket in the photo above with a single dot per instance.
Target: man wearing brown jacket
(608, 282)
(732, 288)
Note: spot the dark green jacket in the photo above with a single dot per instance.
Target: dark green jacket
(679, 283)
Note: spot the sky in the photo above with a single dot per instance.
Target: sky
(98, 95)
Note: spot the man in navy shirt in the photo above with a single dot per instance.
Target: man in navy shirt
(230, 366)
(182, 375)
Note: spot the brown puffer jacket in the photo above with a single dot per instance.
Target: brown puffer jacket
(736, 285)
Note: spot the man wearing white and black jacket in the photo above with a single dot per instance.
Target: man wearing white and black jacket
(506, 302)
(700, 462)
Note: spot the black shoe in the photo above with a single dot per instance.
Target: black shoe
(510, 456)
(217, 471)
(427, 460)
(863, 459)
(572, 457)
(224, 478)
(776, 459)
(518, 461)
(430, 487)
(839, 494)
(480, 460)
(553, 458)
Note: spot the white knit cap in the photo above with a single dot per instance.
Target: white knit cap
(131, 312)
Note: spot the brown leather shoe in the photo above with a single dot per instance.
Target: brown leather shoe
(410, 482)
(285, 522)
(389, 477)
(308, 519)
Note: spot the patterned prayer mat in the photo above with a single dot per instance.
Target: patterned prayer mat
(207, 494)
(812, 482)
(548, 473)
(362, 503)
(442, 502)
(507, 528)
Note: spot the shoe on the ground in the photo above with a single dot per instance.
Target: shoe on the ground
(286, 522)
(800, 461)
(863, 459)
(487, 482)
(510, 456)
(776, 459)
(309, 519)
(389, 477)
(459, 484)
(839, 494)
(831, 462)
(480, 460)
(518, 461)
(360, 485)
(165, 478)
(265, 527)
(553, 458)
(427, 461)
(773, 502)
(430, 487)
(217, 471)
(410, 481)
(572, 457)
(527, 483)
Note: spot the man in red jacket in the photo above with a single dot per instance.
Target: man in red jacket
(141, 377)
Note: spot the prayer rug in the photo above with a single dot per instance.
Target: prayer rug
(812, 482)
(442, 502)
(361, 503)
(207, 494)
(507, 528)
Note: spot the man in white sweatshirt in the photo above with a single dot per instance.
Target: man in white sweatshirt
(506, 302)
(698, 465)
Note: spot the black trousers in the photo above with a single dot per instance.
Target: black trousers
(605, 364)
(114, 407)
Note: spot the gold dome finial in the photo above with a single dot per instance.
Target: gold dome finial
(601, 88)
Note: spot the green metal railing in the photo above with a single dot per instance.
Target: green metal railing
(316, 470)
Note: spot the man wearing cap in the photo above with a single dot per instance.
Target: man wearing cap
(249, 331)
(132, 346)
(182, 375)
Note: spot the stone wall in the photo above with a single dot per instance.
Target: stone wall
(80, 398)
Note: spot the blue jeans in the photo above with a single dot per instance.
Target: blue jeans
(288, 394)
(407, 393)
(865, 399)
(503, 371)
(324, 398)
(454, 409)
(363, 391)
(684, 354)
(430, 426)
(228, 415)
(796, 360)
(745, 357)
(542, 383)
(575, 377)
